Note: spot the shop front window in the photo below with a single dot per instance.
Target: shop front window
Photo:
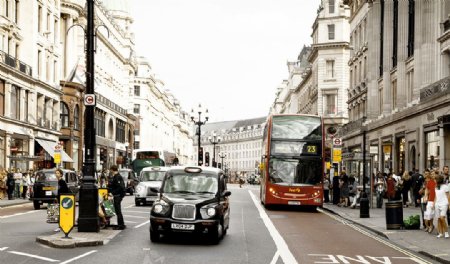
(432, 149)
(387, 158)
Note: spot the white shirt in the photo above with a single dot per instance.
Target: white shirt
(441, 195)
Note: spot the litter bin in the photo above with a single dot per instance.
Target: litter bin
(394, 215)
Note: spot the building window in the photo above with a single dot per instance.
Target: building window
(330, 69)
(76, 117)
(39, 62)
(2, 98)
(331, 31)
(16, 11)
(381, 101)
(137, 90)
(25, 105)
(330, 104)
(394, 94)
(432, 150)
(331, 6)
(395, 34)
(40, 19)
(15, 102)
(64, 116)
(381, 37)
(411, 22)
(410, 85)
(7, 8)
(137, 109)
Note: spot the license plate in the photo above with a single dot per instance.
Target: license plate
(149, 199)
(48, 188)
(293, 202)
(48, 193)
(183, 226)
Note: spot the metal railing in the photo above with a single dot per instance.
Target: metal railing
(13, 62)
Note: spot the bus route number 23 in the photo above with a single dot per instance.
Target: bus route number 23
(311, 149)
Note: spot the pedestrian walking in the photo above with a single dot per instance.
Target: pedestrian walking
(117, 189)
(26, 181)
(406, 186)
(3, 187)
(336, 190)
(429, 212)
(390, 187)
(416, 185)
(10, 185)
(18, 182)
(441, 206)
(326, 190)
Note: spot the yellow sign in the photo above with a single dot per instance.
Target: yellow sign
(66, 212)
(328, 165)
(57, 157)
(337, 155)
(103, 193)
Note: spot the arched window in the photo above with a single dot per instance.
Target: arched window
(64, 116)
(76, 117)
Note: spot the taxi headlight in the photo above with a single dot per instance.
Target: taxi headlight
(139, 188)
(211, 211)
(158, 208)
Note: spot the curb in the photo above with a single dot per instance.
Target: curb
(13, 204)
(58, 241)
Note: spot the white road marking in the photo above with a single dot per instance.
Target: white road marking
(275, 258)
(32, 256)
(413, 257)
(139, 212)
(146, 222)
(78, 257)
(3, 248)
(134, 216)
(9, 216)
(132, 222)
(283, 249)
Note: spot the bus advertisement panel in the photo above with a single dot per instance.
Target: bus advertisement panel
(292, 164)
(143, 158)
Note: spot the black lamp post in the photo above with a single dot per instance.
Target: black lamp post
(199, 123)
(364, 200)
(222, 156)
(214, 141)
(88, 220)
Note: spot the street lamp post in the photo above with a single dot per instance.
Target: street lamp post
(199, 123)
(222, 156)
(88, 220)
(214, 141)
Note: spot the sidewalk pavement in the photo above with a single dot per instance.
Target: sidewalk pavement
(5, 202)
(417, 241)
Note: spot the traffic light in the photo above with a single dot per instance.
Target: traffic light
(219, 165)
(206, 158)
(200, 156)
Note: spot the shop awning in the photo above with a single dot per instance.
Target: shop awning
(49, 146)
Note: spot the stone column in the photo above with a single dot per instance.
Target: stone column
(8, 87)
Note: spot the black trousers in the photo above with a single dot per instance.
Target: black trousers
(326, 196)
(118, 209)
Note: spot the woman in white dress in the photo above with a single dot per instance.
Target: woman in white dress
(441, 206)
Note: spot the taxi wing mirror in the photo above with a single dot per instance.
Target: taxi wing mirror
(226, 193)
(154, 189)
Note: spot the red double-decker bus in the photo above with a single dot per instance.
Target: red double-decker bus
(292, 162)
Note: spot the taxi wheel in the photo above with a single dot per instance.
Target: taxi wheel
(36, 205)
(137, 203)
(154, 236)
(217, 235)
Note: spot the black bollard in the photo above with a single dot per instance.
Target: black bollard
(364, 206)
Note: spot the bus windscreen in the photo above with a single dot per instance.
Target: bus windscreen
(295, 171)
(297, 127)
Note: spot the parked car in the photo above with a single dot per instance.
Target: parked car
(45, 186)
(150, 177)
(130, 179)
(191, 200)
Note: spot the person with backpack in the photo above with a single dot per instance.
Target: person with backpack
(117, 189)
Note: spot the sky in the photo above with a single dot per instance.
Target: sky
(227, 55)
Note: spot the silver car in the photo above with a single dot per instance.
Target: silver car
(150, 178)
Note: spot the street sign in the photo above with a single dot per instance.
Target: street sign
(67, 213)
(337, 141)
(89, 99)
(337, 155)
(57, 154)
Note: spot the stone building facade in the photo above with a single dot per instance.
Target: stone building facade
(240, 145)
(406, 119)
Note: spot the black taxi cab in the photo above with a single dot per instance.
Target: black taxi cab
(45, 186)
(193, 200)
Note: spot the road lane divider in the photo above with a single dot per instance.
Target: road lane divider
(143, 224)
(9, 216)
(282, 247)
(33, 256)
(78, 257)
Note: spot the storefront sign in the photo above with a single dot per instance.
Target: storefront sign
(337, 155)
